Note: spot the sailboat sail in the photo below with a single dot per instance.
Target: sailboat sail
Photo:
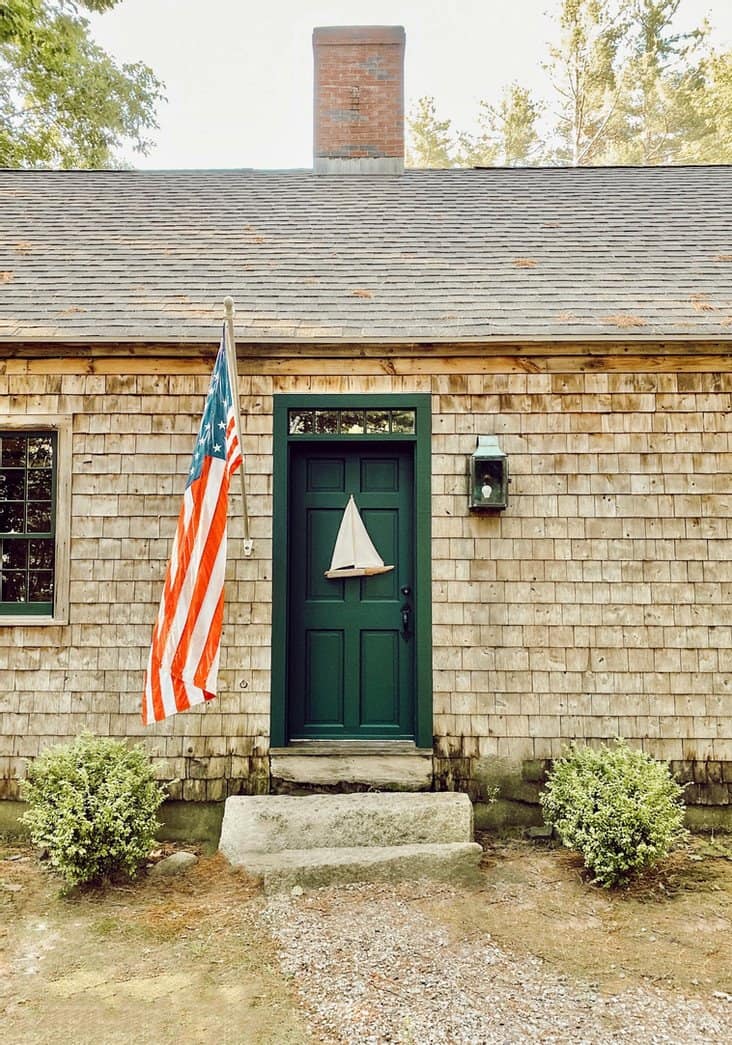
(354, 554)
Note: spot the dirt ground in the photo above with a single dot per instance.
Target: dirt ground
(189, 958)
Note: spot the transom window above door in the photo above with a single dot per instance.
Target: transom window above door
(352, 421)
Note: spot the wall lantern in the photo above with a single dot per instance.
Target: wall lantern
(488, 475)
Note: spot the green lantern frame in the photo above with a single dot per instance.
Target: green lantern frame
(488, 476)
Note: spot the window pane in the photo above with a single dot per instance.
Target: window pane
(27, 478)
(40, 554)
(11, 517)
(13, 451)
(39, 484)
(15, 554)
(14, 586)
(39, 517)
(377, 421)
(12, 484)
(40, 451)
(402, 421)
(301, 422)
(352, 422)
(40, 587)
(326, 422)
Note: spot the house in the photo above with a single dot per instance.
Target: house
(386, 320)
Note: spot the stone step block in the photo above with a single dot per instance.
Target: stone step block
(454, 862)
(272, 823)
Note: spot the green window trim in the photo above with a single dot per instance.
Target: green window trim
(421, 404)
(35, 496)
(28, 471)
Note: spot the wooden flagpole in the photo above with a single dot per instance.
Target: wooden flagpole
(230, 345)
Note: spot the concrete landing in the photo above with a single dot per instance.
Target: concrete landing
(322, 839)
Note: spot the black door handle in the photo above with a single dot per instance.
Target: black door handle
(406, 614)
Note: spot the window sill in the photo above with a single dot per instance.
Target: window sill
(30, 621)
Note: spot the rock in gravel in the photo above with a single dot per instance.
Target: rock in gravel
(174, 865)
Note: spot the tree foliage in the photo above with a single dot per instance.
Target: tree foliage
(64, 102)
(583, 71)
(626, 86)
(432, 142)
(661, 113)
(508, 134)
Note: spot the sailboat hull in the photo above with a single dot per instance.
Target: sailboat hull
(357, 571)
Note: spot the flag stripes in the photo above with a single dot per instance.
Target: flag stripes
(184, 654)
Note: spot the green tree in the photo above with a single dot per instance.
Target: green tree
(716, 145)
(582, 69)
(64, 102)
(508, 134)
(661, 115)
(431, 140)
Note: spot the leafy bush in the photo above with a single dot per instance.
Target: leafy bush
(92, 806)
(617, 807)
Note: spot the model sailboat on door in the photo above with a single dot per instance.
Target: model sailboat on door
(354, 554)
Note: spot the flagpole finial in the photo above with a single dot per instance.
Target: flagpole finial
(229, 306)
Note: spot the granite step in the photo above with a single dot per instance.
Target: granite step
(320, 839)
(310, 868)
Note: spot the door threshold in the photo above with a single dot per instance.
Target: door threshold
(395, 765)
(351, 747)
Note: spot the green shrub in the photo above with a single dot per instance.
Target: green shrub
(92, 807)
(617, 807)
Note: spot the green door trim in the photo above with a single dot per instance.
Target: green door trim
(421, 439)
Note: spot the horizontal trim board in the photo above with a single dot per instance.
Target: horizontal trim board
(245, 337)
(394, 366)
(315, 348)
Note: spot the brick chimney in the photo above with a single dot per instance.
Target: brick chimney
(359, 99)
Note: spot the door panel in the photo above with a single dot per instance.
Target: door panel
(350, 662)
(324, 675)
(379, 677)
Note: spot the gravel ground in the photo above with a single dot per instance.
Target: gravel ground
(371, 968)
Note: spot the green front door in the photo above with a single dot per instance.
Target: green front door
(351, 641)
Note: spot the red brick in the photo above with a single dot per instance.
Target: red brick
(371, 59)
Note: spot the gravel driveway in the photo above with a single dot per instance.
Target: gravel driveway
(371, 966)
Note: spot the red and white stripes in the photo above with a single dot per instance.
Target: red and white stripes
(184, 655)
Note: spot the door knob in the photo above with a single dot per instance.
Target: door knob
(406, 613)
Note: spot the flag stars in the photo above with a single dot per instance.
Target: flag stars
(213, 436)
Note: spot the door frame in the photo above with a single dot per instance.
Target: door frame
(421, 403)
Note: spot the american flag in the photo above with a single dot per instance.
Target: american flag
(184, 655)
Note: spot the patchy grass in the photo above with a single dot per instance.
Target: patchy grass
(671, 927)
(150, 960)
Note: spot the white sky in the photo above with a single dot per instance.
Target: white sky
(238, 73)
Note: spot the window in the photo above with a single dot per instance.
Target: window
(33, 520)
(347, 421)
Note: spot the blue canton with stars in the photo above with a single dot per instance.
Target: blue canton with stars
(211, 441)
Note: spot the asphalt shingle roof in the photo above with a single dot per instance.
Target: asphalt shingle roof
(606, 253)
